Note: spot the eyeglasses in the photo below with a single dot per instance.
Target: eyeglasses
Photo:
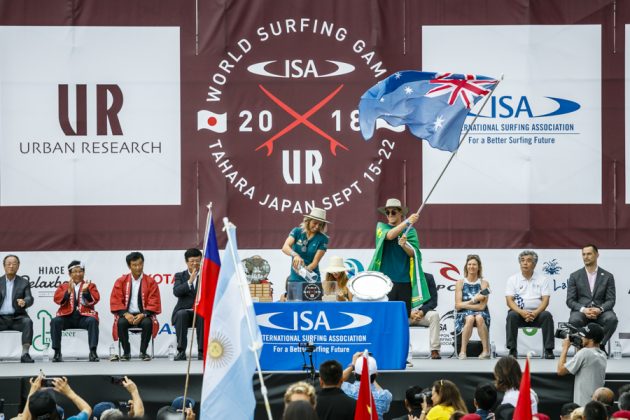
(392, 212)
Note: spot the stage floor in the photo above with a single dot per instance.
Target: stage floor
(166, 367)
(161, 380)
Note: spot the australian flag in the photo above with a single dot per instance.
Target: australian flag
(432, 105)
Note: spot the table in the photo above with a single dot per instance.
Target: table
(336, 329)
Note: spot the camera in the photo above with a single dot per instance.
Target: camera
(569, 331)
(117, 380)
(48, 382)
(426, 394)
(307, 346)
(123, 406)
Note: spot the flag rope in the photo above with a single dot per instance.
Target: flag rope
(244, 288)
(461, 140)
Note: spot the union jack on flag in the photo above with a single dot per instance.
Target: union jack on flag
(433, 106)
(466, 89)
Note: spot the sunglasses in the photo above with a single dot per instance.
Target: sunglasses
(392, 212)
(472, 256)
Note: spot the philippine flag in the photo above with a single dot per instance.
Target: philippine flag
(209, 278)
(211, 121)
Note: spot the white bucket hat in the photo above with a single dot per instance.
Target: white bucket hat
(394, 202)
(317, 214)
(335, 265)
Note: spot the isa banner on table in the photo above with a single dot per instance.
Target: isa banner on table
(293, 333)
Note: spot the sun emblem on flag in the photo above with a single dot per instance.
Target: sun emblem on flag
(220, 351)
(467, 89)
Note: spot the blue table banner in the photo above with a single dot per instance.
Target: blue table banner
(336, 329)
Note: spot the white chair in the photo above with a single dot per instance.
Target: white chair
(137, 332)
(76, 346)
(11, 345)
(474, 336)
(529, 339)
(419, 334)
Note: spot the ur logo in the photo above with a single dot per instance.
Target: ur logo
(109, 102)
(41, 342)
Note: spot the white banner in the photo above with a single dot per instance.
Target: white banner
(89, 116)
(47, 269)
(538, 140)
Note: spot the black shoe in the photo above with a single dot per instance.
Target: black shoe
(200, 355)
(549, 354)
(180, 356)
(57, 356)
(513, 353)
(93, 356)
(125, 357)
(26, 358)
(145, 357)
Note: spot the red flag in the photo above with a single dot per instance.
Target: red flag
(209, 279)
(365, 409)
(523, 409)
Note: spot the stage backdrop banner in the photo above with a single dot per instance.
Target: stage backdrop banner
(538, 140)
(84, 111)
(46, 270)
(336, 330)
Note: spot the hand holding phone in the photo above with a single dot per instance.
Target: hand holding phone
(117, 380)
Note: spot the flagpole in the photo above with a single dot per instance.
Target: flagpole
(245, 289)
(485, 101)
(366, 355)
(194, 320)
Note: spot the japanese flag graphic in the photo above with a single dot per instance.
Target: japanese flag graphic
(211, 121)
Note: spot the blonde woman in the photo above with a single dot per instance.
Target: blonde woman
(337, 271)
(471, 303)
(300, 391)
(307, 244)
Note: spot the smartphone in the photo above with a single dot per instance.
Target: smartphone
(48, 382)
(117, 380)
(485, 292)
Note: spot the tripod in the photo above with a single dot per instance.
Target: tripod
(310, 367)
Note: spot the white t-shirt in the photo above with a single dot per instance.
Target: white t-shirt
(531, 291)
(511, 397)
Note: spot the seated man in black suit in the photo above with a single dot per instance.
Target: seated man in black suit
(15, 297)
(591, 295)
(185, 289)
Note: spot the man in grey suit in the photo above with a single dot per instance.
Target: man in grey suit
(15, 297)
(591, 295)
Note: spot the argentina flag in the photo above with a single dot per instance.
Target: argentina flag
(227, 391)
(433, 106)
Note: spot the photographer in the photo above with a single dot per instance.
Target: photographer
(41, 403)
(589, 363)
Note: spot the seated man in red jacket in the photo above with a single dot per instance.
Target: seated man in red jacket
(76, 299)
(135, 303)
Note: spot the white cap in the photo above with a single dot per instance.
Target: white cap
(372, 368)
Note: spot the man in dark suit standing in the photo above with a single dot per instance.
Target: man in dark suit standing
(591, 295)
(15, 297)
(185, 289)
